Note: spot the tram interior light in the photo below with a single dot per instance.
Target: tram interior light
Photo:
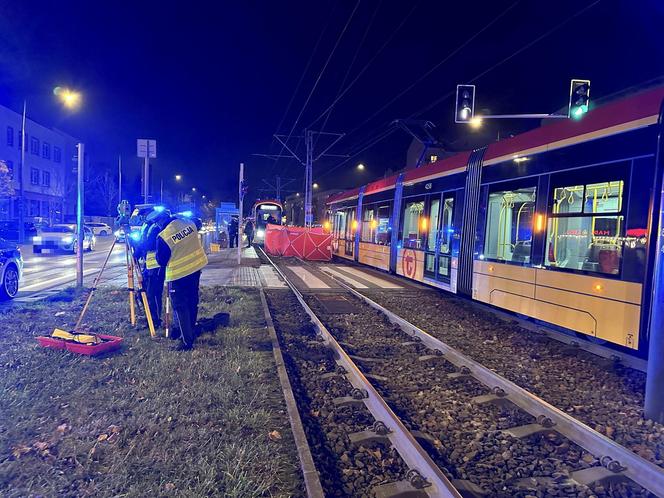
(423, 224)
(354, 225)
(539, 222)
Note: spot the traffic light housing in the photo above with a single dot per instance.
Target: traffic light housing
(465, 104)
(579, 98)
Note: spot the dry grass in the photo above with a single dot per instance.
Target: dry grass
(146, 421)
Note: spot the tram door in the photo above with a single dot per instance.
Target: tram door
(351, 227)
(438, 248)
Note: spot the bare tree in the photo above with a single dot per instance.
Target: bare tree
(6, 183)
(105, 190)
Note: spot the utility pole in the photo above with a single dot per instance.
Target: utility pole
(240, 192)
(80, 235)
(119, 179)
(21, 191)
(161, 192)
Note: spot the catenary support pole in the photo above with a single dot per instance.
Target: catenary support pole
(308, 179)
(654, 401)
(240, 199)
(80, 235)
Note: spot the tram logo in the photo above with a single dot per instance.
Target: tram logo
(409, 263)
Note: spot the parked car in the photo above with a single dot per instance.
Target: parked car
(101, 229)
(9, 230)
(11, 269)
(62, 237)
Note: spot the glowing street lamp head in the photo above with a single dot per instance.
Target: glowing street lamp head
(476, 122)
(315, 185)
(360, 167)
(69, 98)
(193, 189)
(178, 178)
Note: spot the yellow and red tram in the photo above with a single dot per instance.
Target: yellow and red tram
(557, 224)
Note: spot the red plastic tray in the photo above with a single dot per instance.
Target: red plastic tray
(110, 343)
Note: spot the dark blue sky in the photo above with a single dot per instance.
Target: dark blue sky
(211, 81)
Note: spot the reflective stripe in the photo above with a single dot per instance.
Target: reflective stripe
(151, 260)
(187, 254)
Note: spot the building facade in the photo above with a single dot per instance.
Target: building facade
(47, 172)
(294, 207)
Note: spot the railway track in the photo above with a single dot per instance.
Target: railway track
(482, 430)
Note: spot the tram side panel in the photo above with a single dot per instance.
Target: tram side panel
(580, 263)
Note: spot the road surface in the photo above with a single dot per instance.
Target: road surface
(51, 272)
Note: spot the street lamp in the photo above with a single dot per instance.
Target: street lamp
(360, 167)
(476, 122)
(178, 178)
(315, 185)
(193, 189)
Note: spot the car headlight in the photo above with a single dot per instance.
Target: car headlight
(117, 233)
(260, 233)
(68, 239)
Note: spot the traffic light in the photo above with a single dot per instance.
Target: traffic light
(465, 103)
(579, 98)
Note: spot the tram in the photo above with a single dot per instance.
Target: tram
(264, 212)
(557, 224)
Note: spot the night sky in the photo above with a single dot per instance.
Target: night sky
(212, 81)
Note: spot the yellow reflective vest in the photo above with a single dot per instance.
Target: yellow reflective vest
(187, 254)
(151, 260)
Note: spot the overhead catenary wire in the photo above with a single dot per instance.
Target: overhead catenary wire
(474, 79)
(322, 71)
(511, 56)
(350, 67)
(299, 83)
(366, 66)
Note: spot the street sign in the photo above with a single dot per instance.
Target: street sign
(146, 147)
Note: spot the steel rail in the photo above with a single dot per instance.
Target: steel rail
(401, 439)
(307, 465)
(638, 469)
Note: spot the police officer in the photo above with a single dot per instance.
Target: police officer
(154, 274)
(179, 250)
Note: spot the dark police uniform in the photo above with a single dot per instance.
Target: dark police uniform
(155, 275)
(180, 251)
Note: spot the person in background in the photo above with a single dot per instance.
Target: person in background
(233, 232)
(179, 250)
(249, 232)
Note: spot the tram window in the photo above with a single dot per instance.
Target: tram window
(447, 227)
(577, 240)
(340, 224)
(509, 228)
(382, 233)
(587, 243)
(369, 225)
(604, 197)
(412, 234)
(568, 199)
(434, 213)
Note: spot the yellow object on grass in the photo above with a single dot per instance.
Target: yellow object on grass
(74, 337)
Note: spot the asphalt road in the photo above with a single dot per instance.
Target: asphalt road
(50, 272)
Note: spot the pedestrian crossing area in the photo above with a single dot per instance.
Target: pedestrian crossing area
(327, 277)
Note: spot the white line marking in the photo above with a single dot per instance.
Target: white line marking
(354, 283)
(51, 283)
(309, 279)
(384, 284)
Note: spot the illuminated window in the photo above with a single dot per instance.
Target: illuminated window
(412, 234)
(509, 228)
(585, 228)
(433, 158)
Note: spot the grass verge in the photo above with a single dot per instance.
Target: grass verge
(148, 420)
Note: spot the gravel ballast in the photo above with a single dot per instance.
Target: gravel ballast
(608, 398)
